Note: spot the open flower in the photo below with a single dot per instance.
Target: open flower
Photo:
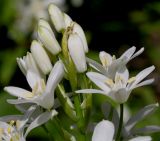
(17, 127)
(104, 131)
(110, 64)
(120, 87)
(42, 93)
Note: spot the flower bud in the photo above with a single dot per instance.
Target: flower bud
(47, 37)
(41, 57)
(67, 20)
(77, 53)
(78, 29)
(56, 17)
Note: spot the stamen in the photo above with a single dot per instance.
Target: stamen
(43, 85)
(109, 82)
(131, 79)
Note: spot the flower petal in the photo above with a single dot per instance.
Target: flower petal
(137, 53)
(146, 82)
(96, 65)
(140, 76)
(144, 112)
(33, 79)
(103, 131)
(99, 79)
(128, 53)
(142, 138)
(41, 119)
(18, 92)
(90, 91)
(55, 77)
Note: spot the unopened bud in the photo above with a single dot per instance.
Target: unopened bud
(47, 37)
(78, 29)
(57, 17)
(41, 57)
(67, 20)
(77, 53)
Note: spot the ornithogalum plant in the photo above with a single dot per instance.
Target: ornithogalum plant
(64, 86)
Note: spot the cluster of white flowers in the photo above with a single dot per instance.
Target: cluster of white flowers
(50, 63)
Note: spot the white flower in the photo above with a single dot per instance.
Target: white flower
(17, 127)
(57, 17)
(41, 57)
(77, 53)
(47, 37)
(120, 87)
(78, 29)
(110, 64)
(42, 94)
(104, 131)
(28, 63)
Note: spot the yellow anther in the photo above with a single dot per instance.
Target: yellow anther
(109, 82)
(9, 130)
(131, 79)
(12, 122)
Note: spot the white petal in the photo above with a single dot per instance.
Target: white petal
(33, 79)
(99, 81)
(141, 138)
(104, 131)
(140, 76)
(97, 76)
(22, 65)
(137, 53)
(19, 92)
(31, 64)
(41, 57)
(90, 91)
(41, 119)
(105, 58)
(96, 65)
(56, 17)
(4, 125)
(19, 101)
(77, 53)
(55, 77)
(143, 83)
(128, 53)
(78, 29)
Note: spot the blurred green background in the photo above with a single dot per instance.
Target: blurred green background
(112, 26)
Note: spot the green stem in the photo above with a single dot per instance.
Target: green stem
(120, 123)
(48, 133)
